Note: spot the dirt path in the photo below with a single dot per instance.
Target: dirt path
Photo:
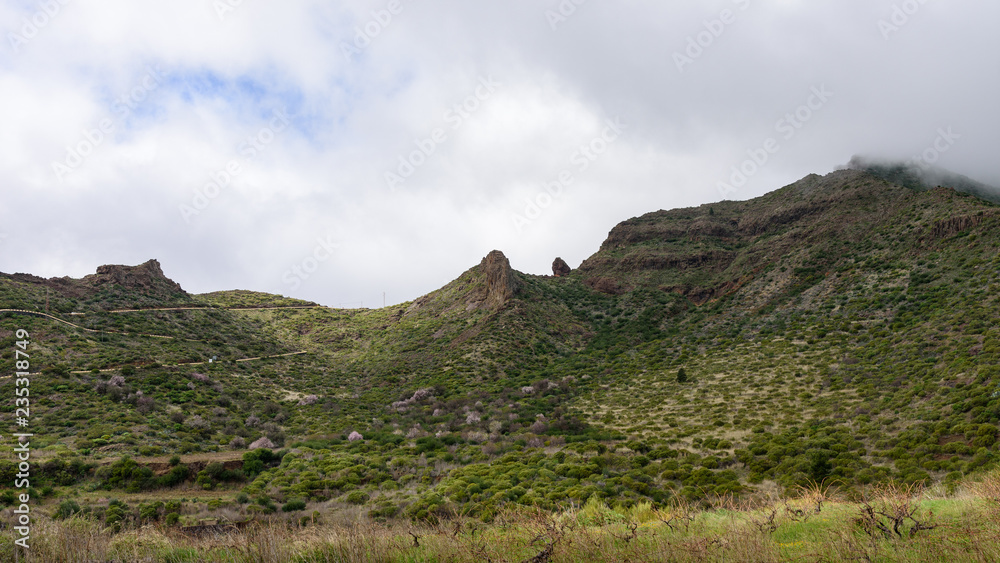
(85, 329)
(57, 319)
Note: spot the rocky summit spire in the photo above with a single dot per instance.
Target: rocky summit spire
(560, 268)
(501, 284)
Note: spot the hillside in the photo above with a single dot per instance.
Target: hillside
(841, 329)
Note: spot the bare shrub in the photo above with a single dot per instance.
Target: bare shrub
(418, 395)
(145, 405)
(261, 443)
(197, 422)
(891, 512)
(476, 436)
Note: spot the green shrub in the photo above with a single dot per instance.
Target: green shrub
(66, 509)
(357, 497)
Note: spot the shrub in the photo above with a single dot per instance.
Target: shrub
(177, 475)
(294, 505)
(66, 509)
(129, 475)
(357, 497)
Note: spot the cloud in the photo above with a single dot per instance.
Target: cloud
(220, 76)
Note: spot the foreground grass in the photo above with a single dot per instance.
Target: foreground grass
(886, 524)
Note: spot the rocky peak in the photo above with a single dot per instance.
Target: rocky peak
(145, 277)
(560, 268)
(501, 284)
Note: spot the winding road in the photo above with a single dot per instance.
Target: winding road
(90, 330)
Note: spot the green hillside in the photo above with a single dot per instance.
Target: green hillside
(842, 329)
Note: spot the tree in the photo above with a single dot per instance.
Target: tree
(682, 376)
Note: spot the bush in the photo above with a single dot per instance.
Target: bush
(66, 509)
(294, 505)
(357, 497)
(129, 475)
(177, 475)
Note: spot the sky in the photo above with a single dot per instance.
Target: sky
(342, 151)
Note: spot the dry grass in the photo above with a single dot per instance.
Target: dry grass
(887, 524)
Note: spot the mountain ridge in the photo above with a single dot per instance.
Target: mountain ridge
(840, 329)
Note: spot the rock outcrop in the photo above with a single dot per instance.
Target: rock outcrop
(501, 285)
(146, 277)
(954, 225)
(560, 268)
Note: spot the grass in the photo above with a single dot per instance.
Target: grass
(815, 526)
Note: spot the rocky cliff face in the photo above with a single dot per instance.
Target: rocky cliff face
(708, 252)
(501, 285)
(147, 277)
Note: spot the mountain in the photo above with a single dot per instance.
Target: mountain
(921, 176)
(841, 329)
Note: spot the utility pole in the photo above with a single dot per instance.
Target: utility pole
(383, 300)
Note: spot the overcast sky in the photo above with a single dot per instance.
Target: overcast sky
(333, 151)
